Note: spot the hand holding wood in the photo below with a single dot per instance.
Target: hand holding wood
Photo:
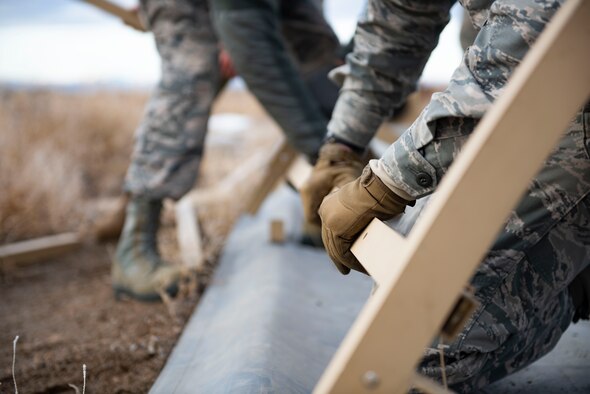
(346, 212)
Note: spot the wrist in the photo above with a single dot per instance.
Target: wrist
(334, 139)
(381, 192)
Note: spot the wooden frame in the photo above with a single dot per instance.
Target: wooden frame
(38, 248)
(280, 161)
(187, 218)
(188, 233)
(414, 295)
(128, 17)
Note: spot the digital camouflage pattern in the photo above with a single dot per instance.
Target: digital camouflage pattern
(292, 48)
(522, 284)
(170, 139)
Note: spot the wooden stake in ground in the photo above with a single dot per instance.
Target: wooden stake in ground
(386, 342)
(277, 231)
(189, 234)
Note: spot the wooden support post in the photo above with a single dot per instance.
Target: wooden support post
(277, 231)
(298, 173)
(39, 248)
(128, 17)
(440, 254)
(189, 234)
(279, 162)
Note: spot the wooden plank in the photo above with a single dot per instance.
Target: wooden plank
(127, 16)
(281, 159)
(277, 231)
(39, 248)
(187, 220)
(453, 235)
(230, 183)
(390, 253)
(189, 234)
(299, 172)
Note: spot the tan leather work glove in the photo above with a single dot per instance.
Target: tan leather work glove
(580, 292)
(336, 166)
(346, 212)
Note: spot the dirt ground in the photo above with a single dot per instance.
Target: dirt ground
(63, 309)
(65, 316)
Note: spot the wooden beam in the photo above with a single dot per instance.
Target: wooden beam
(299, 172)
(277, 231)
(127, 16)
(281, 159)
(189, 234)
(38, 248)
(231, 183)
(453, 235)
(380, 259)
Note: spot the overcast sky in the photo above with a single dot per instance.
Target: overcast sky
(70, 42)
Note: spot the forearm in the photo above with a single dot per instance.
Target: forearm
(392, 44)
(419, 159)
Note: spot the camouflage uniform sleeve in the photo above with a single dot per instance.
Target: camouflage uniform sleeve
(420, 158)
(392, 43)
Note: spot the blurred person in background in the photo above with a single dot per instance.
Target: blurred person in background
(297, 94)
(284, 50)
(536, 277)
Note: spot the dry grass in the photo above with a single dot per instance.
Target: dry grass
(58, 150)
(62, 155)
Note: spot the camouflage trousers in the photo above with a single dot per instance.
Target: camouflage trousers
(170, 139)
(522, 284)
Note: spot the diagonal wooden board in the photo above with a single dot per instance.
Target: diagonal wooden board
(279, 162)
(127, 16)
(412, 301)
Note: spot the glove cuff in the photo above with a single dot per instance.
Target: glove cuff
(335, 152)
(383, 194)
(333, 139)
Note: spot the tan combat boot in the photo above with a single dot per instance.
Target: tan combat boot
(138, 270)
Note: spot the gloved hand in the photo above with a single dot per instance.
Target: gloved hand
(336, 166)
(346, 212)
(580, 291)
